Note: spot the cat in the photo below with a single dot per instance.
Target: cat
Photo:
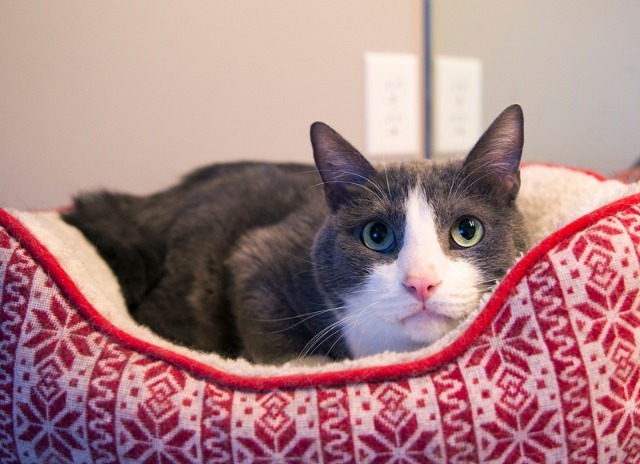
(275, 262)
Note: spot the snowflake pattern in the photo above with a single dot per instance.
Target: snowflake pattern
(554, 376)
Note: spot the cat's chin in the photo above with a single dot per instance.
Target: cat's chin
(423, 315)
(430, 312)
(414, 328)
(425, 326)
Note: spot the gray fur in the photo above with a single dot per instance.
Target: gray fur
(254, 259)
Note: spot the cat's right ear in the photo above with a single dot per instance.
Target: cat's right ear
(340, 165)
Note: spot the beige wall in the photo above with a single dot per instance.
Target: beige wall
(574, 65)
(129, 97)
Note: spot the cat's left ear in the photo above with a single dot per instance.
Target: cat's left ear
(495, 159)
(340, 165)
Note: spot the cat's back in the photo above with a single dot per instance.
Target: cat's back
(231, 195)
(210, 208)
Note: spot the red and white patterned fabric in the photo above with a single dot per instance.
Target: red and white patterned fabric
(549, 371)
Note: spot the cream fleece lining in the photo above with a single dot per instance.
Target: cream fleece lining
(550, 197)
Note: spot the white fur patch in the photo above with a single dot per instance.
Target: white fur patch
(385, 315)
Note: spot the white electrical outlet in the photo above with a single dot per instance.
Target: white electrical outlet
(391, 104)
(457, 103)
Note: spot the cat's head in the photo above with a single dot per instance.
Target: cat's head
(409, 248)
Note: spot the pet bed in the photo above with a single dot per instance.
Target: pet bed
(546, 370)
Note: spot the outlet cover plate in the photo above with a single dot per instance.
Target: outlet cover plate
(457, 103)
(392, 102)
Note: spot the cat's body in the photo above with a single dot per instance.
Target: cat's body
(258, 260)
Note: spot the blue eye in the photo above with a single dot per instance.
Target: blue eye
(378, 236)
(467, 231)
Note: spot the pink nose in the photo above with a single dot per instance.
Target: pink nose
(421, 287)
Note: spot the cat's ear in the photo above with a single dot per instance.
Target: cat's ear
(495, 159)
(340, 165)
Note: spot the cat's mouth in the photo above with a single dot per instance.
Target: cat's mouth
(423, 313)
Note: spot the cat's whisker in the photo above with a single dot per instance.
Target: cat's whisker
(385, 195)
(357, 320)
(385, 171)
(366, 180)
(462, 182)
(319, 338)
(454, 183)
(305, 260)
(362, 290)
(304, 271)
(311, 316)
(306, 316)
(380, 195)
(461, 187)
(343, 334)
(382, 200)
(386, 177)
(475, 181)
(329, 331)
(316, 185)
(496, 165)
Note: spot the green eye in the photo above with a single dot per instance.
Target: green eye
(467, 231)
(378, 236)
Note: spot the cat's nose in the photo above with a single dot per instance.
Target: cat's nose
(421, 286)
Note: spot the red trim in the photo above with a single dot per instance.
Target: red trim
(370, 374)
